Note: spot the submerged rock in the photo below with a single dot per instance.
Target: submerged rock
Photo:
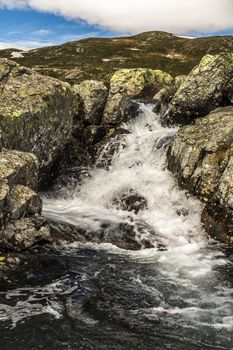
(129, 200)
(129, 84)
(125, 235)
(201, 157)
(208, 86)
(93, 95)
(36, 112)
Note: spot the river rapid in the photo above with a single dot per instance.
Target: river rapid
(176, 295)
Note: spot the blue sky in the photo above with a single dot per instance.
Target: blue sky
(27, 28)
(36, 23)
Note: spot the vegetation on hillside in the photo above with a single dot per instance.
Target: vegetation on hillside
(98, 58)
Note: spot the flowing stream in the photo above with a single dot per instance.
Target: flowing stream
(176, 295)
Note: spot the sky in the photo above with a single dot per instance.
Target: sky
(35, 23)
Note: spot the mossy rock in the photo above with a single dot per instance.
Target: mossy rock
(201, 157)
(207, 87)
(36, 112)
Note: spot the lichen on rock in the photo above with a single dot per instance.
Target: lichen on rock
(93, 95)
(129, 84)
(24, 233)
(23, 201)
(208, 86)
(36, 112)
(19, 201)
(201, 157)
(164, 96)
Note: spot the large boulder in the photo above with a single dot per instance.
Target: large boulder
(18, 185)
(93, 95)
(201, 157)
(208, 86)
(20, 205)
(36, 112)
(129, 84)
(163, 98)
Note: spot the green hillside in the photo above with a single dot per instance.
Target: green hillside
(98, 58)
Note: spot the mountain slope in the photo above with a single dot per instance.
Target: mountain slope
(98, 58)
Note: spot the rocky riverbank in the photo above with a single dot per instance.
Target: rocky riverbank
(201, 154)
(49, 127)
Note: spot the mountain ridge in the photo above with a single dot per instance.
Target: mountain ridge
(99, 58)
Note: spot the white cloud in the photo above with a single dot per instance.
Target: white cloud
(42, 32)
(178, 16)
(24, 45)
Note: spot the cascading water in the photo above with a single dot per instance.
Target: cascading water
(176, 295)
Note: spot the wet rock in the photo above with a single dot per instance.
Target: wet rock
(129, 200)
(93, 134)
(24, 233)
(22, 201)
(129, 236)
(163, 142)
(68, 172)
(109, 146)
(129, 84)
(182, 212)
(93, 96)
(36, 112)
(207, 87)
(201, 157)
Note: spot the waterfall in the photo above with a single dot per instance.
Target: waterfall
(178, 290)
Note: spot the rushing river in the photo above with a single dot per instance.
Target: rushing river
(177, 295)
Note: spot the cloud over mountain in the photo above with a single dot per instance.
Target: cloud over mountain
(177, 16)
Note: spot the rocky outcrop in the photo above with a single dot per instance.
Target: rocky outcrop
(163, 98)
(19, 201)
(129, 84)
(36, 112)
(207, 87)
(201, 157)
(93, 95)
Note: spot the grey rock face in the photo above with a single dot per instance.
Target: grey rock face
(22, 201)
(207, 87)
(201, 157)
(93, 95)
(19, 168)
(163, 98)
(128, 84)
(19, 201)
(36, 112)
(24, 233)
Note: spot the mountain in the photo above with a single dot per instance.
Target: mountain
(98, 58)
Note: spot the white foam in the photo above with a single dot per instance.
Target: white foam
(188, 262)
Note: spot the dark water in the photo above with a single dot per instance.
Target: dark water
(177, 295)
(107, 299)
